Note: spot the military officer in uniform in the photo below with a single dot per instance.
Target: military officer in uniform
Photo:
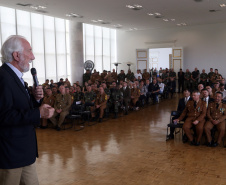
(203, 78)
(130, 76)
(62, 106)
(89, 97)
(210, 74)
(216, 117)
(126, 96)
(86, 76)
(172, 74)
(108, 93)
(135, 95)
(50, 100)
(100, 103)
(121, 76)
(145, 75)
(195, 78)
(114, 75)
(116, 98)
(195, 111)
(78, 95)
(165, 77)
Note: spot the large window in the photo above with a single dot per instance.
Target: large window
(49, 38)
(99, 46)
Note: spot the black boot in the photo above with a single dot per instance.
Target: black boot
(116, 115)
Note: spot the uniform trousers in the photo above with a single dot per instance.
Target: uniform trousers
(63, 114)
(101, 108)
(199, 128)
(134, 101)
(19, 176)
(220, 127)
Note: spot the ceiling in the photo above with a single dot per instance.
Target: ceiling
(115, 12)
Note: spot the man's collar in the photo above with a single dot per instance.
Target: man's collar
(18, 73)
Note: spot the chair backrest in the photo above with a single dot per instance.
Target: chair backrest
(173, 114)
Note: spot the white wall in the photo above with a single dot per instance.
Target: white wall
(204, 45)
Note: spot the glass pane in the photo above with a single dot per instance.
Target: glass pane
(23, 24)
(8, 22)
(106, 49)
(61, 48)
(89, 43)
(50, 48)
(38, 45)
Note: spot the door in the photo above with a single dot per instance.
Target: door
(177, 61)
(142, 56)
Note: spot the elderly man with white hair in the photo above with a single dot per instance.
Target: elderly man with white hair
(19, 115)
(195, 111)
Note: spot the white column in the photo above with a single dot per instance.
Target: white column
(76, 51)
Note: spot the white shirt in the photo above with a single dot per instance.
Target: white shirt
(136, 75)
(186, 99)
(161, 86)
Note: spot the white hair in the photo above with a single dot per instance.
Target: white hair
(12, 44)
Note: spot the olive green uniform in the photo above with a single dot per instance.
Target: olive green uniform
(203, 78)
(187, 80)
(62, 102)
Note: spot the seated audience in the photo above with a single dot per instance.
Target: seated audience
(143, 92)
(116, 99)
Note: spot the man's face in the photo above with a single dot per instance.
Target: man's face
(209, 89)
(222, 88)
(25, 57)
(205, 93)
(154, 81)
(200, 87)
(216, 86)
(71, 89)
(62, 89)
(124, 84)
(67, 90)
(113, 84)
(211, 69)
(54, 90)
(147, 82)
(203, 71)
(186, 93)
(48, 92)
(88, 88)
(101, 90)
(104, 85)
(216, 71)
(218, 98)
(195, 96)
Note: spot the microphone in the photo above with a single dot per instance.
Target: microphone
(34, 74)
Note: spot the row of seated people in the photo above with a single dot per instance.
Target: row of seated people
(201, 114)
(106, 100)
(188, 80)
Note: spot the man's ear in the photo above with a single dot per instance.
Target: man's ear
(16, 56)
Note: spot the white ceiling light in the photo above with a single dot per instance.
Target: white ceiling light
(150, 14)
(74, 15)
(38, 7)
(172, 19)
(166, 20)
(134, 7)
(222, 5)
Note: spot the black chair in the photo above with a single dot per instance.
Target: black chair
(172, 125)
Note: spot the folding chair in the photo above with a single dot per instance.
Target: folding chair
(172, 125)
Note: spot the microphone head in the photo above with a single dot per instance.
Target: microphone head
(33, 71)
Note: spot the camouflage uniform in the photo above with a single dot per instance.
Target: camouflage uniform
(187, 79)
(203, 78)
